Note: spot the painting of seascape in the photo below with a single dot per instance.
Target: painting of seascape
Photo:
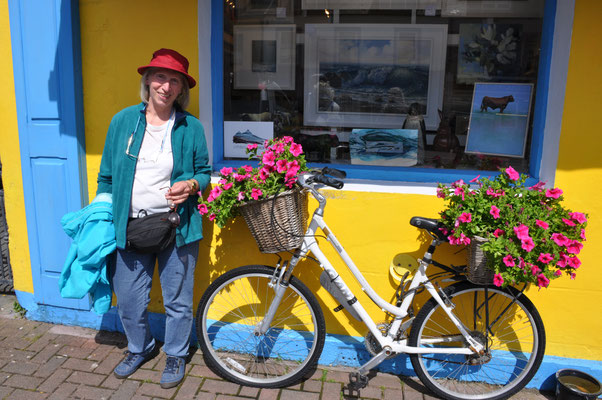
(386, 147)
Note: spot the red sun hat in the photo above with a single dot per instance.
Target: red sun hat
(170, 59)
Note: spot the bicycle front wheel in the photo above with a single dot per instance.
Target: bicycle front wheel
(507, 324)
(233, 307)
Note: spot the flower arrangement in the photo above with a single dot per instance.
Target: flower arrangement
(530, 237)
(279, 165)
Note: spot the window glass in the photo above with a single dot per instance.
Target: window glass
(402, 84)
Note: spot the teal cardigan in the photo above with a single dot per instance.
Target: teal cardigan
(190, 161)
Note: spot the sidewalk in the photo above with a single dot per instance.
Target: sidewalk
(46, 361)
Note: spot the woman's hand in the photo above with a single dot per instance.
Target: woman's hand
(179, 192)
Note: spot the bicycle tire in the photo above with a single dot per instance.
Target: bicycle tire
(516, 343)
(230, 309)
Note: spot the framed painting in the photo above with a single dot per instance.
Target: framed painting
(239, 134)
(264, 55)
(372, 5)
(367, 76)
(387, 147)
(499, 119)
(492, 8)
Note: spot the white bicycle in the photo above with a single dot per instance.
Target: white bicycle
(261, 326)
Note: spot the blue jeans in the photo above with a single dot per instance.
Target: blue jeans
(132, 280)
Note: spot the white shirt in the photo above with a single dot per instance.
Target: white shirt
(153, 170)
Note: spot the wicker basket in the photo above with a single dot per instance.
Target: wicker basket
(477, 271)
(277, 223)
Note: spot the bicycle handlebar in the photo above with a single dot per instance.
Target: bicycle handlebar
(328, 181)
(319, 176)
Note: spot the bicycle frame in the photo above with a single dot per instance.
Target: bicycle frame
(388, 343)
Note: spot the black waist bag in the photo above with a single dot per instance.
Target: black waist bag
(152, 233)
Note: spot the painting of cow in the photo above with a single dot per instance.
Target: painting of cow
(495, 102)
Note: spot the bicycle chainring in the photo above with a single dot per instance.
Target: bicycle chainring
(372, 344)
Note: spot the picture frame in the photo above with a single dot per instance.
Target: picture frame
(492, 8)
(367, 75)
(264, 55)
(239, 134)
(384, 147)
(373, 5)
(499, 119)
(278, 10)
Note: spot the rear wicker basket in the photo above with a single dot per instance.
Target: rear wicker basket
(477, 271)
(277, 223)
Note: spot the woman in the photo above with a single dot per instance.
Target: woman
(155, 157)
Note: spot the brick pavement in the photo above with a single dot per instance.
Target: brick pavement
(47, 361)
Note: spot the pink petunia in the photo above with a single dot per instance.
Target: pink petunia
(521, 231)
(281, 166)
(495, 212)
(574, 247)
(268, 158)
(296, 149)
(582, 234)
(458, 183)
(203, 209)
(527, 244)
(560, 239)
(278, 148)
(509, 261)
(226, 171)
(498, 232)
(212, 217)
(251, 146)
(568, 222)
(542, 224)
(264, 173)
(563, 261)
(535, 270)
(494, 193)
(573, 275)
(465, 217)
(558, 272)
(542, 281)
(216, 191)
(545, 258)
(512, 174)
(248, 169)
(241, 196)
(256, 193)
(475, 179)
(553, 193)
(440, 193)
(498, 280)
(222, 181)
(574, 262)
(227, 185)
(287, 139)
(240, 178)
(579, 217)
(538, 186)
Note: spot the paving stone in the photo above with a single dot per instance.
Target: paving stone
(63, 392)
(312, 386)
(146, 375)
(111, 382)
(338, 376)
(90, 344)
(229, 397)
(46, 353)
(68, 340)
(5, 391)
(154, 390)
(109, 363)
(80, 365)
(55, 380)
(214, 386)
(201, 370)
(17, 355)
(43, 342)
(396, 394)
(197, 359)
(48, 368)
(385, 380)
(23, 382)
(126, 391)
(157, 363)
(100, 352)
(92, 393)
(20, 394)
(297, 395)
(21, 367)
(331, 390)
(371, 392)
(75, 352)
(189, 387)
(248, 391)
(269, 394)
(86, 378)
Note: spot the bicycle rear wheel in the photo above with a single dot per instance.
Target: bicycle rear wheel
(514, 341)
(228, 314)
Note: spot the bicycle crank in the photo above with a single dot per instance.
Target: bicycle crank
(372, 344)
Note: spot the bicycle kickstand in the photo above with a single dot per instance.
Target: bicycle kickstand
(359, 379)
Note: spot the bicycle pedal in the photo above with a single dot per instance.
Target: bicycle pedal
(357, 381)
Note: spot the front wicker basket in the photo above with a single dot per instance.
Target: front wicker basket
(477, 271)
(277, 223)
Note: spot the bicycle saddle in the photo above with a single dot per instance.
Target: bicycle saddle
(430, 224)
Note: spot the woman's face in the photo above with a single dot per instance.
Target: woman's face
(164, 87)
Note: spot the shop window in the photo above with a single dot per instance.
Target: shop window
(384, 88)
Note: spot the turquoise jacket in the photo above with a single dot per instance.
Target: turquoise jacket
(190, 161)
(85, 269)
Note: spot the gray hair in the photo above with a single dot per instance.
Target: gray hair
(183, 98)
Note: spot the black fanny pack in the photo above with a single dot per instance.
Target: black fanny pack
(151, 233)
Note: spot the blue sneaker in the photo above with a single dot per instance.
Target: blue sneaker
(173, 372)
(131, 363)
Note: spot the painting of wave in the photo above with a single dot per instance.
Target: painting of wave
(373, 76)
(387, 147)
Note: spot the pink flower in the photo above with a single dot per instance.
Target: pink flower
(558, 272)
(475, 180)
(215, 192)
(444, 231)
(560, 239)
(278, 148)
(222, 181)
(226, 171)
(498, 280)
(573, 275)
(255, 193)
(568, 222)
(553, 193)
(212, 217)
(248, 169)
(545, 258)
(240, 178)
(563, 261)
(527, 244)
(579, 217)
(538, 186)
(268, 158)
(542, 224)
(582, 234)
(495, 212)
(287, 139)
(535, 270)
(574, 262)
(509, 261)
(281, 166)
(542, 281)
(574, 247)
(296, 149)
(458, 183)
(203, 209)
(264, 173)
(512, 174)
(241, 196)
(440, 193)
(498, 232)
(465, 217)
(251, 146)
(521, 231)
(521, 263)
(227, 185)
(463, 239)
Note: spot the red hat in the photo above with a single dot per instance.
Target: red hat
(170, 59)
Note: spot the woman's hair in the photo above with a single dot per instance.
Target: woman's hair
(184, 97)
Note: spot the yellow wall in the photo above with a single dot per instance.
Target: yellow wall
(11, 164)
